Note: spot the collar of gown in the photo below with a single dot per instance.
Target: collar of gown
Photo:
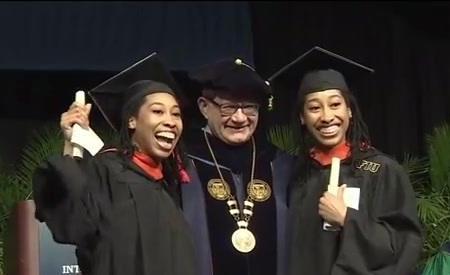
(342, 151)
(148, 164)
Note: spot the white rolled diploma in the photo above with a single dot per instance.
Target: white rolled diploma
(333, 187)
(77, 149)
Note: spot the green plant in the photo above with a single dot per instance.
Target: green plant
(15, 180)
(1, 257)
(432, 207)
(439, 154)
(431, 181)
(284, 137)
(3, 179)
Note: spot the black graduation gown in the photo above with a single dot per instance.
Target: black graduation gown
(383, 237)
(211, 221)
(121, 221)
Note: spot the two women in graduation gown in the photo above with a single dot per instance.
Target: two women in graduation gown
(121, 208)
(375, 228)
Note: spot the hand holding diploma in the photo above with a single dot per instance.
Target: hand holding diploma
(332, 207)
(79, 100)
(75, 126)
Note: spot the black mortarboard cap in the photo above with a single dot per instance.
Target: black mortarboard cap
(232, 76)
(140, 79)
(319, 69)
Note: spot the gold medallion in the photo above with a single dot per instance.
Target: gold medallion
(259, 190)
(218, 189)
(243, 240)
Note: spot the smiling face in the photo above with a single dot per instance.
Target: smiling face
(157, 125)
(327, 117)
(235, 128)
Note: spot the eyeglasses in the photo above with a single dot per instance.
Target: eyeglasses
(228, 109)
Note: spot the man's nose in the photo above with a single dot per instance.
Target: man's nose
(239, 116)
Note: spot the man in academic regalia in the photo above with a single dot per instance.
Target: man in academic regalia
(236, 201)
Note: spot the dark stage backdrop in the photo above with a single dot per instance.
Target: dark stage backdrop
(105, 36)
(406, 43)
(49, 50)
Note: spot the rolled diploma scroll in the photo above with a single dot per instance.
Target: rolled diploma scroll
(84, 139)
(333, 187)
(77, 149)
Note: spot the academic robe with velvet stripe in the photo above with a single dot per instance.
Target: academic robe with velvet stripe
(211, 221)
(383, 237)
(121, 220)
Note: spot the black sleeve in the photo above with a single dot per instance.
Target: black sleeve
(64, 192)
(387, 241)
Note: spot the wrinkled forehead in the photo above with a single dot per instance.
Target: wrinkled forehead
(236, 98)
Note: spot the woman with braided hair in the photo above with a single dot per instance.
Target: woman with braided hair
(367, 225)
